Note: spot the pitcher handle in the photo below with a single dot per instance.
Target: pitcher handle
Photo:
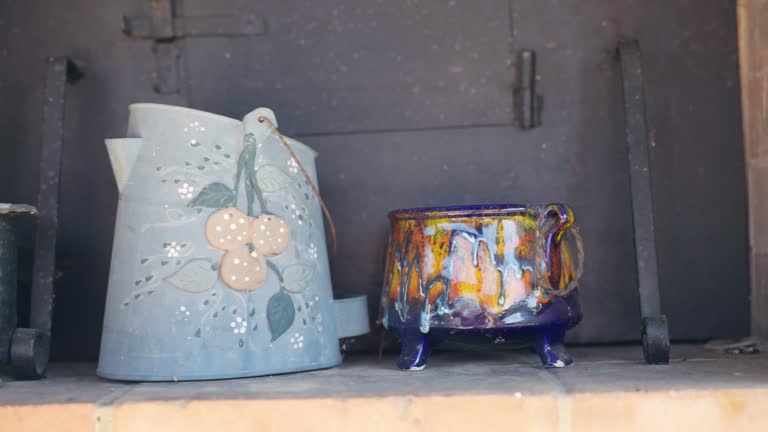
(351, 316)
(553, 237)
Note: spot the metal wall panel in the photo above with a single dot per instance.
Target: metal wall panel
(410, 104)
(349, 65)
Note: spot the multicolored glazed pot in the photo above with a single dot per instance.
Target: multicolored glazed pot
(501, 273)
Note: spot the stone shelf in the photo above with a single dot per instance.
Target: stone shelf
(608, 389)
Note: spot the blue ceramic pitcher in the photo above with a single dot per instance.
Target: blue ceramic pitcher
(219, 262)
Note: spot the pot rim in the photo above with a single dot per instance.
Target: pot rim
(460, 211)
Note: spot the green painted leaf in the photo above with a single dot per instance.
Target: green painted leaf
(195, 276)
(296, 277)
(272, 179)
(280, 314)
(214, 195)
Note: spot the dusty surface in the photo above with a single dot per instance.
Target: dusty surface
(607, 387)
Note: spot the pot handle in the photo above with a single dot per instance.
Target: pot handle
(351, 316)
(553, 237)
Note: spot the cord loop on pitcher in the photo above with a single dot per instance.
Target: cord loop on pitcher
(327, 213)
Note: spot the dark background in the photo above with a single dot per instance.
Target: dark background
(410, 103)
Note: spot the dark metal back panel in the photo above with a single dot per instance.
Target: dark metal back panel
(410, 104)
(350, 65)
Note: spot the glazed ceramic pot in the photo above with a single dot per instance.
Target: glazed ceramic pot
(219, 264)
(500, 273)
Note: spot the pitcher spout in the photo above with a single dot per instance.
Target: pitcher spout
(123, 153)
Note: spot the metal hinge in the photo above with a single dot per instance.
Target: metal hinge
(164, 28)
(528, 103)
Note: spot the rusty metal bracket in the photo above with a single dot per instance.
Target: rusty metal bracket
(164, 27)
(655, 335)
(30, 347)
(528, 103)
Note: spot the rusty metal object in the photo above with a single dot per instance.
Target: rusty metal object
(8, 274)
(164, 27)
(655, 334)
(27, 349)
(527, 101)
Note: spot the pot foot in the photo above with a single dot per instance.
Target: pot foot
(551, 350)
(415, 349)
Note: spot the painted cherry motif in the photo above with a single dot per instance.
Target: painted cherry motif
(243, 269)
(247, 242)
(228, 229)
(270, 235)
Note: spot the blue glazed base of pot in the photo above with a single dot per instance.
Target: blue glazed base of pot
(545, 330)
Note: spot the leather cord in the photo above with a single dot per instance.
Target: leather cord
(327, 214)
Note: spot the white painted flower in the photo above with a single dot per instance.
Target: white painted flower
(238, 325)
(194, 127)
(314, 300)
(172, 249)
(293, 166)
(312, 251)
(298, 341)
(186, 191)
(296, 213)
